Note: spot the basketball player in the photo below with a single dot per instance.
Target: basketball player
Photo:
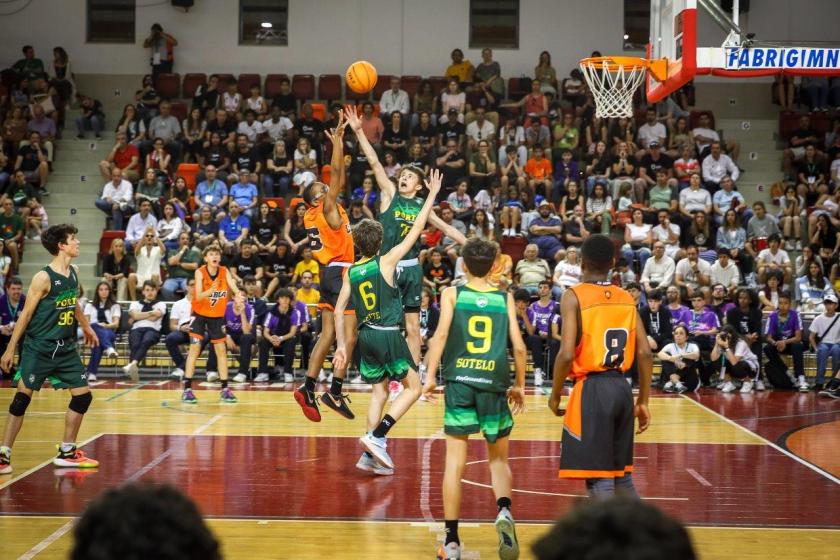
(398, 210)
(49, 351)
(476, 322)
(328, 228)
(213, 283)
(385, 356)
(601, 337)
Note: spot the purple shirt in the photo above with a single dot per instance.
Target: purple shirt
(781, 330)
(702, 322)
(279, 324)
(45, 127)
(233, 321)
(303, 312)
(540, 316)
(680, 316)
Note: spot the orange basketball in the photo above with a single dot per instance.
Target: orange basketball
(361, 76)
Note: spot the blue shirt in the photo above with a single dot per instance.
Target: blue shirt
(244, 195)
(724, 200)
(233, 228)
(8, 312)
(211, 195)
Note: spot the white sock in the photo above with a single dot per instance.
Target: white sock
(67, 447)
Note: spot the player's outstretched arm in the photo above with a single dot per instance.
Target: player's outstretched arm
(389, 261)
(516, 394)
(340, 356)
(644, 363)
(448, 231)
(39, 288)
(438, 341)
(239, 297)
(336, 136)
(568, 341)
(386, 187)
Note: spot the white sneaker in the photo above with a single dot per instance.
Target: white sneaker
(323, 376)
(668, 387)
(802, 385)
(212, 376)
(177, 372)
(508, 545)
(394, 390)
(538, 377)
(262, 378)
(287, 378)
(789, 245)
(798, 245)
(378, 447)
(421, 371)
(91, 376)
(728, 387)
(357, 380)
(111, 353)
(132, 371)
(759, 385)
(368, 464)
(240, 378)
(680, 387)
(747, 387)
(720, 385)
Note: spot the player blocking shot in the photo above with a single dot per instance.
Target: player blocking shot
(470, 348)
(48, 325)
(328, 229)
(371, 284)
(213, 286)
(602, 335)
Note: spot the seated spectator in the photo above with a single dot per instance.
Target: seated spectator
(245, 161)
(390, 165)
(239, 339)
(811, 289)
(733, 237)
(574, 229)
(212, 193)
(215, 155)
(278, 334)
(11, 304)
(760, 225)
(692, 273)
(278, 127)
(680, 314)
(307, 293)
(395, 99)
(45, 127)
(132, 126)
(501, 273)
(538, 319)
(182, 262)
(92, 117)
(448, 244)
(774, 258)
(599, 209)
(716, 166)
(811, 176)
(194, 128)
(686, 166)
(510, 216)
(479, 95)
(545, 231)
(703, 325)
(166, 127)
(138, 225)
(637, 239)
(539, 173)
(460, 202)
(783, 335)
(451, 129)
(667, 233)
(725, 272)
(789, 218)
(679, 363)
(572, 198)
(567, 273)
(233, 229)
(623, 167)
(513, 135)
(736, 359)
(247, 263)
(279, 266)
(482, 226)
(566, 171)
(21, 193)
(437, 272)
(701, 233)
(531, 270)
(162, 514)
(265, 230)
(566, 134)
(768, 295)
(32, 160)
(148, 254)
(123, 156)
(534, 105)
(705, 137)
(650, 132)
(825, 338)
(278, 169)
(11, 233)
(159, 159)
(657, 321)
(244, 193)
(372, 126)
(285, 100)
(103, 313)
(460, 69)
(537, 134)
(510, 169)
(116, 199)
(306, 264)
(825, 238)
(694, 199)
(424, 134)
(231, 100)
(150, 189)
(305, 158)
(659, 270)
(728, 198)
(251, 128)
(180, 320)
(206, 230)
(802, 137)
(452, 165)
(181, 197)
(146, 317)
(294, 232)
(453, 99)
(483, 169)
(224, 127)
(115, 269)
(395, 136)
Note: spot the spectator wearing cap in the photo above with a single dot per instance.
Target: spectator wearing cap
(544, 232)
(212, 193)
(651, 131)
(245, 193)
(825, 338)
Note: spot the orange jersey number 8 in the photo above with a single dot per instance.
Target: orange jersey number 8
(615, 341)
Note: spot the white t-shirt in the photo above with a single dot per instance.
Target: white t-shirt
(648, 133)
(820, 326)
(639, 233)
(781, 257)
(567, 274)
(156, 324)
(111, 313)
(688, 275)
(485, 132)
(181, 311)
(673, 350)
(661, 234)
(277, 130)
(251, 130)
(742, 350)
(695, 200)
(148, 263)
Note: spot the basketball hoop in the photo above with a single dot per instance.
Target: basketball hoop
(614, 79)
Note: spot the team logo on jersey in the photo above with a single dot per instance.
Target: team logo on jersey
(481, 302)
(216, 296)
(607, 294)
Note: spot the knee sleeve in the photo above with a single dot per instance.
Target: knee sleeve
(19, 404)
(80, 403)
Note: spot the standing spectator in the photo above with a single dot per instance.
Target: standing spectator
(138, 224)
(278, 335)
(115, 269)
(161, 47)
(182, 263)
(11, 304)
(825, 339)
(716, 166)
(92, 118)
(148, 255)
(531, 270)
(103, 312)
(11, 232)
(123, 156)
(146, 319)
(460, 69)
(165, 127)
(395, 99)
(783, 335)
(233, 229)
(32, 160)
(212, 193)
(680, 314)
(239, 338)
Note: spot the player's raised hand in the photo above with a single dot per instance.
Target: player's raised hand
(339, 358)
(239, 299)
(642, 412)
(516, 399)
(351, 115)
(434, 182)
(336, 134)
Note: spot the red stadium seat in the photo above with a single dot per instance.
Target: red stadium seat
(438, 83)
(410, 85)
(188, 171)
(383, 84)
(329, 87)
(180, 111)
(515, 247)
(516, 91)
(191, 83)
(303, 87)
(272, 84)
(319, 111)
(107, 238)
(169, 85)
(326, 173)
(225, 79)
(351, 95)
(245, 83)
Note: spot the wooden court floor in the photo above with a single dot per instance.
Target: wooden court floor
(753, 476)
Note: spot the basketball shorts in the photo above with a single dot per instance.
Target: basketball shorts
(384, 355)
(56, 361)
(213, 327)
(331, 279)
(469, 410)
(598, 428)
(410, 283)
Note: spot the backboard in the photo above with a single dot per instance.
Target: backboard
(673, 36)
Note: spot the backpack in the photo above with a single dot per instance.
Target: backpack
(777, 375)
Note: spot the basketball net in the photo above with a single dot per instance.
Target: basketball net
(613, 80)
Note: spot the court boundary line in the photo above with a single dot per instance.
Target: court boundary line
(767, 442)
(45, 463)
(47, 541)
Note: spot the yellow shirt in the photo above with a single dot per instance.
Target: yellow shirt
(312, 267)
(463, 71)
(310, 297)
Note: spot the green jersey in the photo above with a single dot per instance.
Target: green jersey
(397, 221)
(376, 303)
(55, 316)
(476, 348)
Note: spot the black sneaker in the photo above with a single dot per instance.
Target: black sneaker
(44, 192)
(338, 404)
(306, 400)
(831, 393)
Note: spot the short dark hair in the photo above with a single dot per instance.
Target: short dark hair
(723, 251)
(655, 295)
(598, 253)
(478, 256)
(544, 283)
(785, 294)
(634, 286)
(284, 292)
(250, 278)
(143, 521)
(150, 284)
(56, 235)
(522, 295)
(367, 235)
(15, 281)
(774, 237)
(618, 527)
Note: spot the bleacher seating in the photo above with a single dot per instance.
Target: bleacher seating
(272, 84)
(191, 83)
(169, 85)
(245, 82)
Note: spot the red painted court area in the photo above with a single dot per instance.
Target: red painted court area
(315, 478)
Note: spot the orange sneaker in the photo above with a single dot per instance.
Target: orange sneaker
(75, 458)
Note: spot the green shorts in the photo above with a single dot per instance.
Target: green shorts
(469, 410)
(384, 355)
(410, 283)
(42, 360)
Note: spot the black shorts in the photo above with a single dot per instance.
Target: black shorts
(598, 428)
(213, 327)
(332, 278)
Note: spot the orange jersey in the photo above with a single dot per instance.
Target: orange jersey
(214, 305)
(608, 329)
(328, 245)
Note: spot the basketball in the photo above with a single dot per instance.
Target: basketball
(361, 76)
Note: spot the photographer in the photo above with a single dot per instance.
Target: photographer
(161, 46)
(738, 361)
(679, 363)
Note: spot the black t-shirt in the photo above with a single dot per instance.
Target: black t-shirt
(744, 323)
(451, 174)
(30, 157)
(803, 133)
(246, 160)
(263, 231)
(393, 136)
(440, 272)
(599, 168)
(285, 102)
(311, 129)
(631, 162)
(452, 130)
(424, 136)
(216, 155)
(224, 130)
(651, 166)
(278, 265)
(809, 169)
(21, 194)
(280, 162)
(245, 267)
